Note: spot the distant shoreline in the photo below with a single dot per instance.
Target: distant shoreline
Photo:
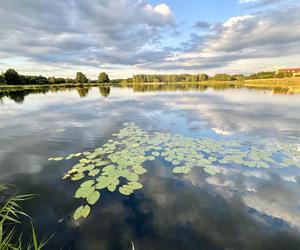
(290, 85)
(65, 85)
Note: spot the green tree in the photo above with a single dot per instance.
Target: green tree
(12, 77)
(2, 79)
(81, 78)
(195, 78)
(103, 78)
(203, 77)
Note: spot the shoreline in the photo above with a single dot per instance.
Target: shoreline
(288, 85)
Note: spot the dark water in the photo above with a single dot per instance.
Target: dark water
(237, 209)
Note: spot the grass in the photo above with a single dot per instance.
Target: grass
(11, 214)
(285, 85)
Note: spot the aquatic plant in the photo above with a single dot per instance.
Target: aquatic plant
(10, 215)
(118, 164)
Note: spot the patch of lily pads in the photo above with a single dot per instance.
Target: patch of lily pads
(118, 165)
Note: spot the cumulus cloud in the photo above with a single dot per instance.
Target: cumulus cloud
(258, 36)
(112, 34)
(82, 32)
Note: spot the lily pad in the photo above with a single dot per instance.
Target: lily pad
(93, 197)
(82, 211)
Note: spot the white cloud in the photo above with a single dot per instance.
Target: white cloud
(263, 39)
(248, 1)
(235, 21)
(82, 32)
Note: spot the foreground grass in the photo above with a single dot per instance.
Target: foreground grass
(10, 214)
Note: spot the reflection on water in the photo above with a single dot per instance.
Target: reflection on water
(18, 94)
(240, 208)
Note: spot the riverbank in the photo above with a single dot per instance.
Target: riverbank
(278, 86)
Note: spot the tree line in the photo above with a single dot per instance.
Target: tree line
(142, 78)
(12, 77)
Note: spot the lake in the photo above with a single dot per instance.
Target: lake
(209, 169)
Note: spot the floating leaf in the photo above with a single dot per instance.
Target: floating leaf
(94, 172)
(135, 185)
(82, 211)
(155, 153)
(124, 157)
(85, 211)
(57, 159)
(77, 177)
(87, 183)
(78, 213)
(125, 190)
(109, 168)
(93, 197)
(103, 182)
(111, 187)
(84, 191)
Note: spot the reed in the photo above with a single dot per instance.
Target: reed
(11, 214)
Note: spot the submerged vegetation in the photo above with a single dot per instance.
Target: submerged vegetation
(11, 214)
(119, 164)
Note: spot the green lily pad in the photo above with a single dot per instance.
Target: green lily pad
(78, 177)
(155, 153)
(125, 190)
(125, 156)
(111, 187)
(88, 183)
(94, 172)
(84, 191)
(135, 185)
(103, 182)
(93, 197)
(82, 211)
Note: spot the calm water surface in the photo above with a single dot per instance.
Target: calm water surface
(240, 208)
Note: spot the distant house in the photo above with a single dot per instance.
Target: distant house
(294, 71)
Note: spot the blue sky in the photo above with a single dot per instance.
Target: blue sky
(126, 37)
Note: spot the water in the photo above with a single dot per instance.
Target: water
(239, 208)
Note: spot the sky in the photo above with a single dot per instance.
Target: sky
(127, 37)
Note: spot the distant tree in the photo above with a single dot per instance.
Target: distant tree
(12, 77)
(223, 77)
(2, 79)
(263, 75)
(195, 78)
(203, 77)
(103, 78)
(81, 78)
(280, 75)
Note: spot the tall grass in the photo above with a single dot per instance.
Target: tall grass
(11, 214)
